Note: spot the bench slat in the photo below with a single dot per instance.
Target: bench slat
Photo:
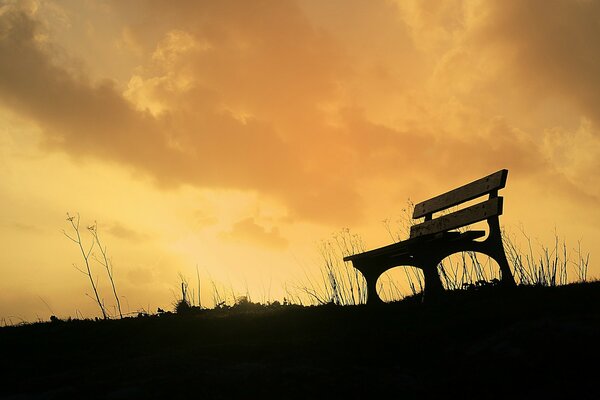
(406, 245)
(462, 194)
(458, 219)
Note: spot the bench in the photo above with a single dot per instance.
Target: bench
(436, 238)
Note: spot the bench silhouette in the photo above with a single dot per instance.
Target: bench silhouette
(437, 238)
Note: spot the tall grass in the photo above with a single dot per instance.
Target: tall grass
(337, 282)
(545, 265)
(532, 264)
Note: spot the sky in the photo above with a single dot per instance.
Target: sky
(228, 139)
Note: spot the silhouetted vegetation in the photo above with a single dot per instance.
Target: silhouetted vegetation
(534, 342)
(531, 263)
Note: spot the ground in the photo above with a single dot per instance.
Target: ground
(529, 342)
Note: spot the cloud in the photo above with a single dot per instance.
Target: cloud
(247, 230)
(210, 132)
(575, 155)
(25, 228)
(257, 97)
(120, 231)
(141, 276)
(202, 219)
(549, 47)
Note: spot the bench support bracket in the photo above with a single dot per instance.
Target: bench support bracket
(428, 255)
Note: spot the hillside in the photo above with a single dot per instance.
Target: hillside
(532, 342)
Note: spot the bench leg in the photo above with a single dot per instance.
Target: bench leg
(433, 284)
(498, 253)
(507, 278)
(372, 296)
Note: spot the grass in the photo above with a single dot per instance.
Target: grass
(533, 342)
(532, 263)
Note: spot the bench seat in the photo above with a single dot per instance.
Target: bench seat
(408, 245)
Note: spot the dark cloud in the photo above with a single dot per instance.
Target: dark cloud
(248, 117)
(250, 95)
(199, 140)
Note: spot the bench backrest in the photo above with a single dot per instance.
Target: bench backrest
(478, 212)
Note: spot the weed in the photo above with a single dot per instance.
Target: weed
(74, 222)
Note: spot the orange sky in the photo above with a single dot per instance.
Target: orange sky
(235, 135)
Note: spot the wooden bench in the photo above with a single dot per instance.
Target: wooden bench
(437, 238)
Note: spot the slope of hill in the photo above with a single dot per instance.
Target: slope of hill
(532, 342)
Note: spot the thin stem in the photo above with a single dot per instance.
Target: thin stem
(106, 263)
(86, 258)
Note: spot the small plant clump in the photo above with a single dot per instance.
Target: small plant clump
(182, 307)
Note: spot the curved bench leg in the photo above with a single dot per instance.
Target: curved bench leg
(371, 276)
(506, 278)
(372, 296)
(497, 252)
(433, 283)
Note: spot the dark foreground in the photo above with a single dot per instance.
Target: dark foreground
(525, 344)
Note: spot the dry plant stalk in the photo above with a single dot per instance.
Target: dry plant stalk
(106, 263)
(74, 221)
